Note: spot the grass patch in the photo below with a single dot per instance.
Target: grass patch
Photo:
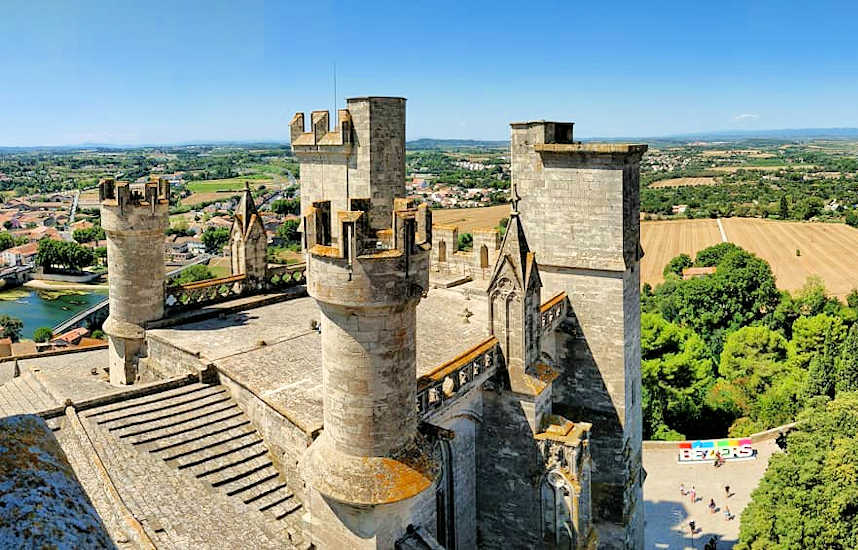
(229, 184)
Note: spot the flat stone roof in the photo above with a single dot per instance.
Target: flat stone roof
(273, 352)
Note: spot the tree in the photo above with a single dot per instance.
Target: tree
(852, 218)
(783, 210)
(806, 497)
(502, 226)
(91, 234)
(676, 372)
(192, 274)
(811, 336)
(677, 264)
(287, 206)
(852, 299)
(214, 239)
(466, 242)
(713, 255)
(42, 334)
(288, 232)
(54, 254)
(10, 327)
(7, 240)
(847, 373)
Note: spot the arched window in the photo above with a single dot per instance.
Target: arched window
(484, 256)
(555, 502)
(442, 251)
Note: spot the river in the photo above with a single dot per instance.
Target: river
(36, 310)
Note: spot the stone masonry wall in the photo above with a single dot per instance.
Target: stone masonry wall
(509, 467)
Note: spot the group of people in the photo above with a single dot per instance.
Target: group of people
(713, 508)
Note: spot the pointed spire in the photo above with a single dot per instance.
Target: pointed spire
(246, 208)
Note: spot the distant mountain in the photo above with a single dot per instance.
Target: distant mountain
(430, 143)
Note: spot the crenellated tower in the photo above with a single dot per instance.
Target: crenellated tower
(134, 218)
(367, 268)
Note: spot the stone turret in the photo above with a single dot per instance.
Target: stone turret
(580, 206)
(248, 241)
(134, 218)
(367, 268)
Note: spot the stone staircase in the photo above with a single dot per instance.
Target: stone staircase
(195, 451)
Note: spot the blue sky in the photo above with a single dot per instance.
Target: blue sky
(127, 72)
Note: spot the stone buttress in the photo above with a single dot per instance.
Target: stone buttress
(369, 473)
(580, 206)
(134, 218)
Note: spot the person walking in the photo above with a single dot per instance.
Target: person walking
(682, 490)
(693, 493)
(726, 491)
(727, 513)
(712, 506)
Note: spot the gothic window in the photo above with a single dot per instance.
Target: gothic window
(556, 504)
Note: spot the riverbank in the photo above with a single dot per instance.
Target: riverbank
(38, 284)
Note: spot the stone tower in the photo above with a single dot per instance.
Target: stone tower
(370, 473)
(248, 242)
(580, 205)
(134, 218)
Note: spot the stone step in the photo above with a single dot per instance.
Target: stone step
(151, 408)
(167, 414)
(207, 445)
(177, 444)
(147, 400)
(230, 454)
(191, 423)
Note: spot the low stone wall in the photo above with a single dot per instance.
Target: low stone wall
(758, 437)
(167, 360)
(83, 278)
(286, 440)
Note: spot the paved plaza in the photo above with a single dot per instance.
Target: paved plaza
(668, 513)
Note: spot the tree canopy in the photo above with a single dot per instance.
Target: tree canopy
(53, 254)
(214, 239)
(807, 497)
(10, 327)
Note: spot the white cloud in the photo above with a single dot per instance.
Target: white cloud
(746, 116)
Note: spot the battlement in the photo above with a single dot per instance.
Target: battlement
(410, 231)
(320, 134)
(124, 193)
(544, 131)
(366, 266)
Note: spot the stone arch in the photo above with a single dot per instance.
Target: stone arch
(555, 496)
(442, 251)
(445, 513)
(484, 257)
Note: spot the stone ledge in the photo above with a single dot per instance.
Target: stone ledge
(596, 148)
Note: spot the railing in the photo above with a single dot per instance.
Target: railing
(552, 312)
(202, 293)
(90, 317)
(455, 377)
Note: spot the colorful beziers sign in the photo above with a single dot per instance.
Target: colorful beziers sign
(709, 449)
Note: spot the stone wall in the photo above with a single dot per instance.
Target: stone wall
(509, 467)
(477, 263)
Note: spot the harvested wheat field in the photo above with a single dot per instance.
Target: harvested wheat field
(662, 240)
(469, 219)
(828, 250)
(682, 182)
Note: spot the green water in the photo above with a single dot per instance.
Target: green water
(36, 311)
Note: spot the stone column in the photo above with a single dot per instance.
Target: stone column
(134, 218)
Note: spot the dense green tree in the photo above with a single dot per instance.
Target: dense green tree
(847, 373)
(852, 299)
(91, 234)
(811, 336)
(677, 264)
(288, 232)
(42, 334)
(214, 239)
(7, 240)
(676, 372)
(851, 218)
(10, 327)
(807, 496)
(783, 209)
(713, 255)
(465, 242)
(287, 206)
(192, 274)
(53, 254)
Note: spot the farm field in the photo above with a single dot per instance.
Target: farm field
(681, 182)
(228, 184)
(662, 240)
(828, 250)
(772, 168)
(469, 219)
